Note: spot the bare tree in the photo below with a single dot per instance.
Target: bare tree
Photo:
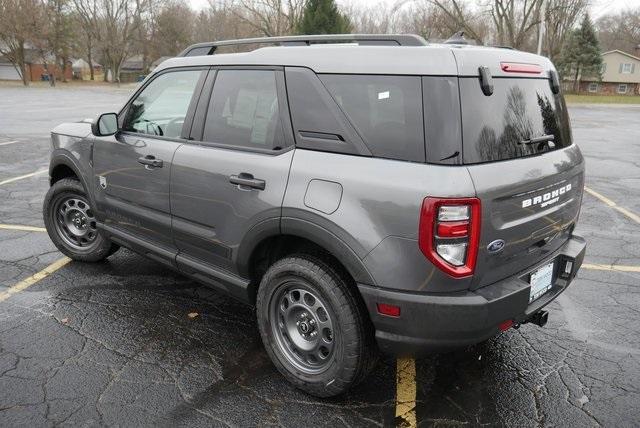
(86, 16)
(459, 16)
(269, 17)
(18, 25)
(113, 24)
(620, 31)
(561, 17)
(515, 21)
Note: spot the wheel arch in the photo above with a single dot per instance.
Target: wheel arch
(64, 166)
(270, 240)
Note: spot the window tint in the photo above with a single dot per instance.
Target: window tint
(244, 110)
(385, 110)
(501, 126)
(318, 122)
(161, 107)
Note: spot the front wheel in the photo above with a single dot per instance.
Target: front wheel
(313, 327)
(71, 224)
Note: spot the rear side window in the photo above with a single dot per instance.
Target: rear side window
(500, 126)
(385, 110)
(244, 110)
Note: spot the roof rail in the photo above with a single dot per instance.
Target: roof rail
(209, 48)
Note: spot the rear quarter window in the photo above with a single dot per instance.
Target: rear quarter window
(385, 110)
(494, 127)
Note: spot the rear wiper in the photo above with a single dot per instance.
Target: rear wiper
(542, 139)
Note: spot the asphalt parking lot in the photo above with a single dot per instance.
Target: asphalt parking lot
(127, 342)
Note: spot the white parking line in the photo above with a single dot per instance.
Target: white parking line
(6, 143)
(11, 180)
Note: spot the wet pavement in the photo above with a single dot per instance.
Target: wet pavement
(127, 342)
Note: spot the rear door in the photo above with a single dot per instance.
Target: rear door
(233, 173)
(528, 175)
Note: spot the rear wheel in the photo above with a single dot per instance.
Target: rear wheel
(313, 327)
(71, 223)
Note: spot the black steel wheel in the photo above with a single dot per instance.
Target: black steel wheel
(74, 221)
(314, 326)
(302, 326)
(71, 223)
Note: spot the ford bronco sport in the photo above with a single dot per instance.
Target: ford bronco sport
(364, 192)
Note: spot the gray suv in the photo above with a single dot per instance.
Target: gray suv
(364, 192)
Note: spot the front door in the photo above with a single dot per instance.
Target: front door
(234, 175)
(132, 169)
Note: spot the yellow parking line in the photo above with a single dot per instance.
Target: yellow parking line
(406, 392)
(11, 180)
(611, 204)
(26, 283)
(21, 227)
(619, 268)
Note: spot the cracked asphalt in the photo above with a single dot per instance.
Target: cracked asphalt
(127, 342)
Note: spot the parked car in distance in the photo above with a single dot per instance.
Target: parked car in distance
(365, 192)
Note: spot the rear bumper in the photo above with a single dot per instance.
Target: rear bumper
(443, 322)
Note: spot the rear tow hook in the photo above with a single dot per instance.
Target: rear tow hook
(540, 318)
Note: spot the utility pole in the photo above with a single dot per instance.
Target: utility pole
(541, 26)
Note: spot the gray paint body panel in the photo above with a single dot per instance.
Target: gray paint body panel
(212, 215)
(363, 210)
(381, 199)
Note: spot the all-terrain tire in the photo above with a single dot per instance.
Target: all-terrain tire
(354, 352)
(88, 245)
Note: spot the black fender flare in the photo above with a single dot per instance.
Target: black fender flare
(293, 226)
(62, 157)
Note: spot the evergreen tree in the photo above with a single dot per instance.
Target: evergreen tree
(581, 54)
(323, 17)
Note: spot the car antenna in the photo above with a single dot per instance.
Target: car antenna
(457, 39)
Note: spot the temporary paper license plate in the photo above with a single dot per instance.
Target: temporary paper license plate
(541, 281)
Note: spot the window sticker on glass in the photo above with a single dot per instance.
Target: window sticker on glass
(383, 95)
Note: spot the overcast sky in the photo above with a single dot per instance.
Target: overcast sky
(598, 8)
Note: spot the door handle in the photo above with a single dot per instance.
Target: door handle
(150, 161)
(247, 180)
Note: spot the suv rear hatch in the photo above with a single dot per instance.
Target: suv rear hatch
(528, 175)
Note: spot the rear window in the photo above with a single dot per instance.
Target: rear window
(502, 125)
(385, 110)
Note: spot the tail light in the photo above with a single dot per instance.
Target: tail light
(449, 234)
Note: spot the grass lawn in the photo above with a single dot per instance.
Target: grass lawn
(602, 99)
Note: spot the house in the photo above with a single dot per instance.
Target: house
(132, 68)
(82, 71)
(620, 75)
(35, 67)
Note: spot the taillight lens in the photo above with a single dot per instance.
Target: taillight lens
(516, 67)
(449, 233)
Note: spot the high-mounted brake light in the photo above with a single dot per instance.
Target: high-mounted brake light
(516, 67)
(449, 234)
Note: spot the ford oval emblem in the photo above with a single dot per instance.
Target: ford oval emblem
(496, 246)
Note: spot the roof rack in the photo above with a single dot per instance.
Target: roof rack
(209, 48)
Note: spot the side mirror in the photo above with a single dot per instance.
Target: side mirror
(106, 124)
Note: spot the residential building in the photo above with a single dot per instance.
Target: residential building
(620, 75)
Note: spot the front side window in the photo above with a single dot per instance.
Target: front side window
(160, 109)
(622, 88)
(385, 110)
(626, 68)
(244, 110)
